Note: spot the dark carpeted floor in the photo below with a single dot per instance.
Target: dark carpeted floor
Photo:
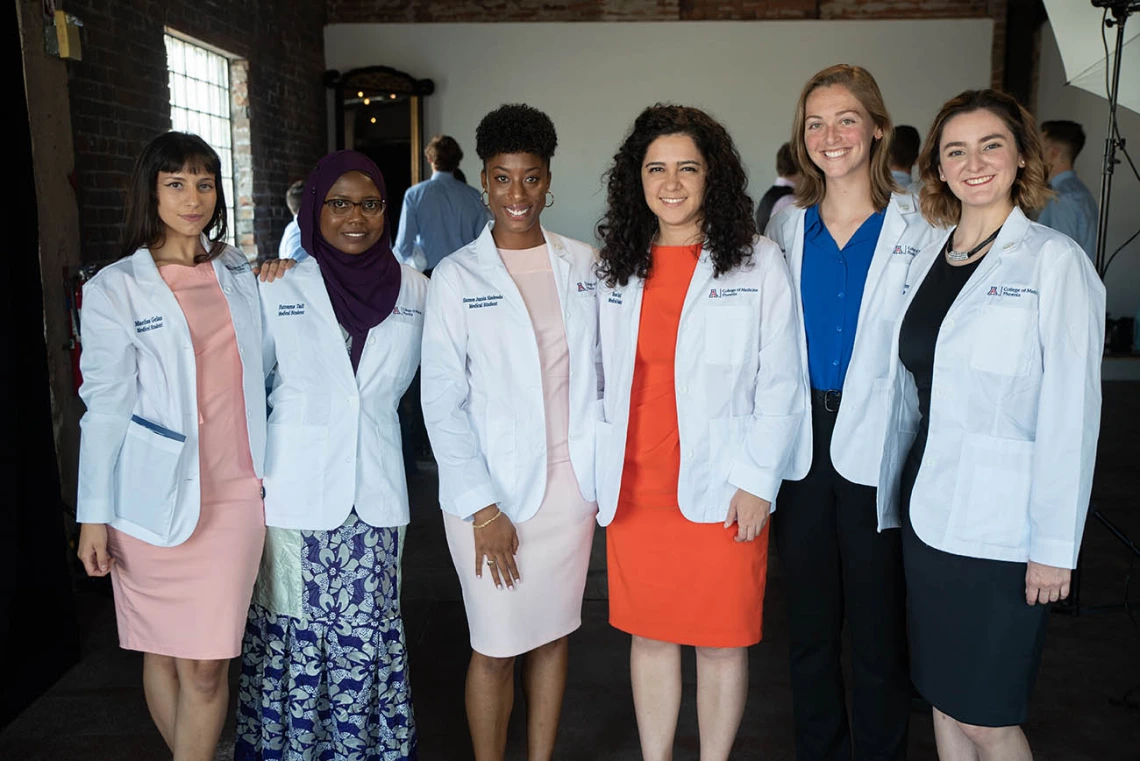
(1085, 707)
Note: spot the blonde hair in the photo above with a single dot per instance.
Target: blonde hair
(812, 186)
(1030, 188)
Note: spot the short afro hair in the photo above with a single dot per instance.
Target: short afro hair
(516, 128)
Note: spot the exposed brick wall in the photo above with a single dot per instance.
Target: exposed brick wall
(423, 11)
(119, 99)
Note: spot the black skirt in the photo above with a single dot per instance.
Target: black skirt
(975, 645)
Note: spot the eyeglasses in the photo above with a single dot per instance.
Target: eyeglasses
(342, 207)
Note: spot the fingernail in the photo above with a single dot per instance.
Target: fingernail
(498, 586)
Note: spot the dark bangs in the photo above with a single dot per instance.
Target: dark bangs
(171, 152)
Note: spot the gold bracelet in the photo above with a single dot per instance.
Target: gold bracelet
(489, 521)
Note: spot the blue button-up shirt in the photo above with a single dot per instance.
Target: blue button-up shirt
(440, 216)
(1073, 211)
(290, 241)
(832, 288)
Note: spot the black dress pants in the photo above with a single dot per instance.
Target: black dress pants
(837, 565)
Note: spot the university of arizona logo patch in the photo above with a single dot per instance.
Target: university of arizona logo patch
(713, 294)
(993, 291)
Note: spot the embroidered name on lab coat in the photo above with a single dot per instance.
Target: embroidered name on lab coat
(479, 302)
(727, 293)
(615, 298)
(148, 324)
(243, 267)
(1011, 291)
(289, 310)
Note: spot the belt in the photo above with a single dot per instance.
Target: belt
(829, 399)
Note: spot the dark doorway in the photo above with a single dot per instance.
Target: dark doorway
(380, 113)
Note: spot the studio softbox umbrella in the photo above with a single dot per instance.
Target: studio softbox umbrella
(1077, 25)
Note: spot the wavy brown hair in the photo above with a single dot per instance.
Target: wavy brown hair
(1030, 187)
(812, 186)
(628, 227)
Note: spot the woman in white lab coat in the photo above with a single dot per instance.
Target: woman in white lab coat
(509, 391)
(995, 411)
(703, 399)
(173, 438)
(324, 659)
(849, 240)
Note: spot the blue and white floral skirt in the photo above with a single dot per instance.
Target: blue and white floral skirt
(324, 672)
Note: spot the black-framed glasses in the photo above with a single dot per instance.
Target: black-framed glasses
(342, 207)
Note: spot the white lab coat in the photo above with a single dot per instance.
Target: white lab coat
(481, 383)
(860, 425)
(1015, 404)
(138, 447)
(739, 389)
(334, 437)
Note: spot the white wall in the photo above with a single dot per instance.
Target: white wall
(1056, 100)
(593, 79)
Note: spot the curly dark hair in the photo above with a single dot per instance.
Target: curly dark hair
(628, 227)
(516, 128)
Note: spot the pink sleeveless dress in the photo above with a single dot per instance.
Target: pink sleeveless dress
(554, 545)
(190, 601)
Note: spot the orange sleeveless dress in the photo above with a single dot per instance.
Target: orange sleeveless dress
(671, 579)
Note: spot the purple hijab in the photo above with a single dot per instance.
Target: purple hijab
(363, 288)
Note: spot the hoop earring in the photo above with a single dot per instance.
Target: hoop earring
(550, 199)
(485, 199)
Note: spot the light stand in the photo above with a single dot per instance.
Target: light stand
(1120, 10)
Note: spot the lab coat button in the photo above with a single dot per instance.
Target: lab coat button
(227, 289)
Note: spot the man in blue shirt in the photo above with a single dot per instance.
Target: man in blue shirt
(291, 238)
(905, 144)
(440, 215)
(1073, 211)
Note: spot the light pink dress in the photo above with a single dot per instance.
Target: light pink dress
(554, 545)
(190, 601)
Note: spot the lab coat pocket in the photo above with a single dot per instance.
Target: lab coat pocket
(502, 452)
(146, 475)
(726, 334)
(608, 462)
(992, 498)
(727, 442)
(295, 461)
(1001, 340)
